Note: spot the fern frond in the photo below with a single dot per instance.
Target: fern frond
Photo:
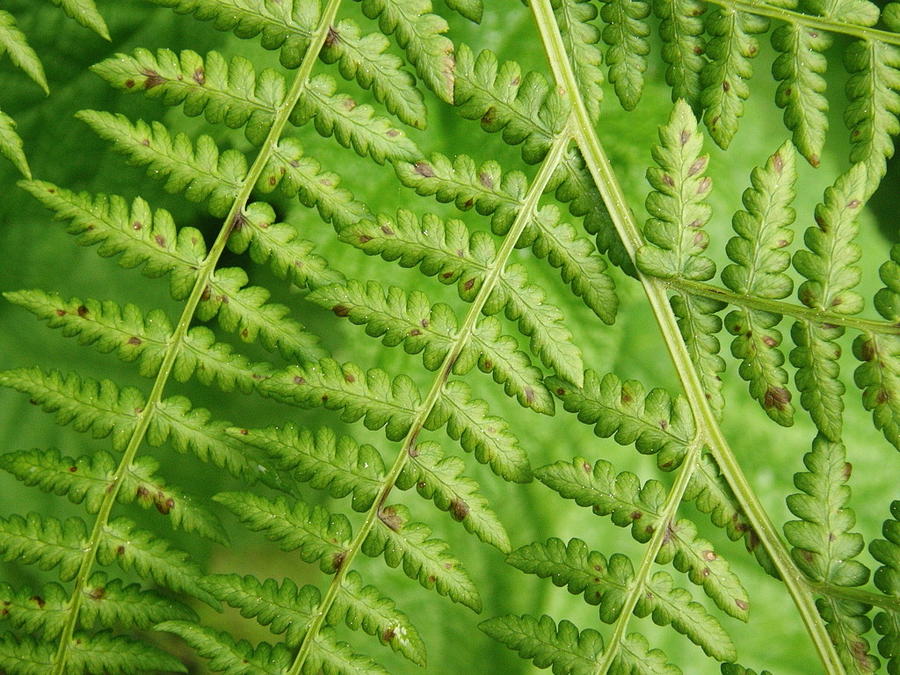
(758, 269)
(226, 655)
(199, 170)
(824, 548)
(724, 76)
(879, 373)
(676, 240)
(134, 549)
(447, 250)
(85, 13)
(630, 504)
(625, 35)
(655, 422)
(420, 33)
(681, 30)
(366, 59)
(100, 652)
(136, 337)
(316, 534)
(106, 603)
(887, 579)
(874, 93)
(565, 649)
(441, 479)
(45, 542)
(581, 36)
(365, 607)
(89, 477)
(296, 174)
(14, 44)
(411, 320)
(11, 145)
(392, 403)
(828, 266)
(353, 126)
(329, 462)
(524, 108)
(471, 9)
(799, 69)
(426, 560)
(606, 583)
(500, 196)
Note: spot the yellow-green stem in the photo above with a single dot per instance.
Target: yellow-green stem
(462, 337)
(608, 185)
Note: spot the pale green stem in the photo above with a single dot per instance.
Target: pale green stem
(176, 341)
(491, 278)
(667, 514)
(623, 219)
(809, 21)
(813, 316)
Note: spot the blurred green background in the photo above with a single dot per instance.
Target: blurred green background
(39, 254)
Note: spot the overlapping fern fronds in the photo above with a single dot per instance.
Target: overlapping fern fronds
(563, 207)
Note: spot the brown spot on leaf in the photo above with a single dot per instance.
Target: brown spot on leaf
(392, 133)
(388, 635)
(341, 310)
(769, 341)
(349, 377)
(485, 179)
(82, 311)
(423, 169)
(776, 397)
(459, 509)
(489, 116)
(468, 284)
(134, 340)
(129, 84)
(391, 518)
(120, 550)
(685, 136)
(199, 76)
(299, 380)
(38, 600)
(337, 561)
(73, 469)
(164, 506)
(97, 593)
(387, 230)
(61, 312)
(332, 37)
(742, 604)
(153, 79)
(726, 86)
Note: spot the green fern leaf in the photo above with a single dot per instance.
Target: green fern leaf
(11, 145)
(448, 251)
(676, 241)
(524, 108)
(580, 36)
(134, 336)
(296, 174)
(366, 59)
(105, 603)
(879, 373)
(14, 44)
(420, 33)
(724, 76)
(354, 126)
(874, 93)
(655, 422)
(824, 548)
(736, 669)
(681, 30)
(149, 556)
(799, 69)
(84, 12)
(101, 652)
(316, 534)
(562, 648)
(760, 261)
(425, 560)
(224, 653)
(440, 479)
(607, 584)
(887, 579)
(631, 504)
(198, 170)
(828, 266)
(392, 403)
(413, 321)
(625, 35)
(45, 542)
(365, 607)
(88, 478)
(337, 464)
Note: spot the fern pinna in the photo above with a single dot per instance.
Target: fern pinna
(563, 205)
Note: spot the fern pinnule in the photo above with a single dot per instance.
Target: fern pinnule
(575, 19)
(759, 264)
(681, 30)
(411, 320)
(887, 579)
(625, 35)
(629, 503)
(825, 549)
(831, 276)
(421, 34)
